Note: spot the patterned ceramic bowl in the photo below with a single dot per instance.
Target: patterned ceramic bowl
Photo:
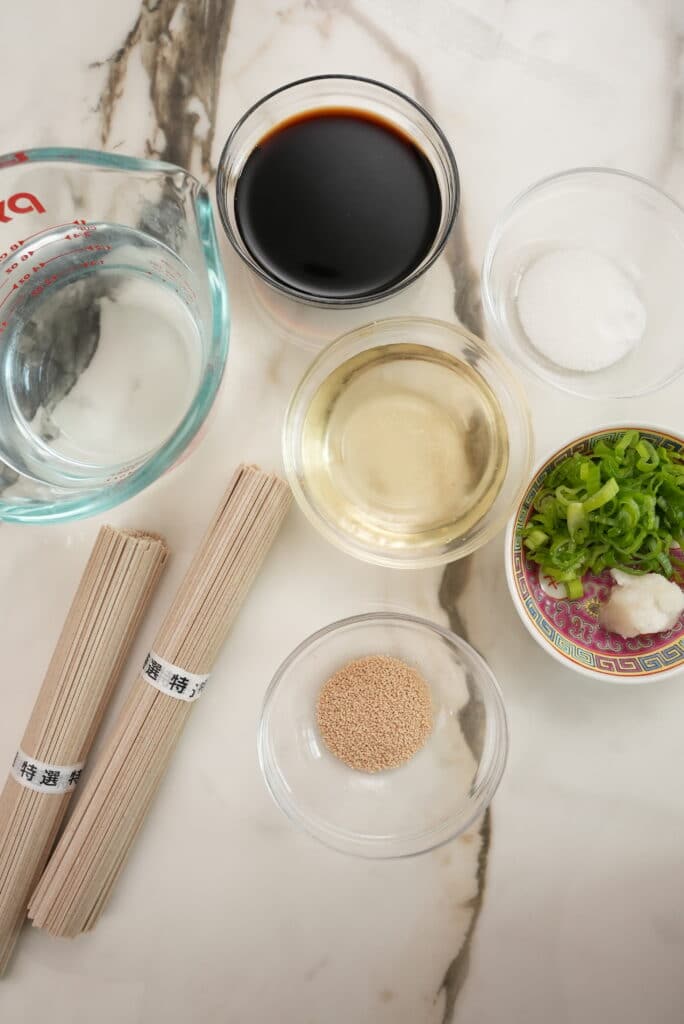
(569, 630)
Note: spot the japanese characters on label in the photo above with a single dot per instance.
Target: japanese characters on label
(45, 778)
(171, 680)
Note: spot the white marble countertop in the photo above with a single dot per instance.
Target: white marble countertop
(567, 904)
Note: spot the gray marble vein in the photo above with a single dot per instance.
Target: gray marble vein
(467, 308)
(674, 151)
(471, 717)
(181, 45)
(56, 346)
(456, 973)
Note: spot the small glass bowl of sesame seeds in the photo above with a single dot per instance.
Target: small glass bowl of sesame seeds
(437, 793)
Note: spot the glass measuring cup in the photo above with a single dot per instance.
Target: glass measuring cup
(114, 327)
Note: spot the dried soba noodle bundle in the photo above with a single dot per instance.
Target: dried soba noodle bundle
(90, 855)
(116, 587)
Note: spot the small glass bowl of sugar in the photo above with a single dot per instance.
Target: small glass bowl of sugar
(582, 283)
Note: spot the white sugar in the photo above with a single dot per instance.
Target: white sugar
(579, 309)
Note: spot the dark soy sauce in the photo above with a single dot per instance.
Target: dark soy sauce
(338, 204)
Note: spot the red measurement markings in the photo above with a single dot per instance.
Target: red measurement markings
(43, 263)
(39, 266)
(25, 256)
(164, 269)
(14, 247)
(90, 228)
(87, 231)
(9, 294)
(35, 292)
(61, 255)
(55, 227)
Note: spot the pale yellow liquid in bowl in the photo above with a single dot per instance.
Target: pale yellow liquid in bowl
(404, 446)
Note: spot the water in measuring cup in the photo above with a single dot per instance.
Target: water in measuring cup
(102, 355)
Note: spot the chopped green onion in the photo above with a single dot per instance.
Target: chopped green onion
(574, 589)
(602, 496)
(590, 474)
(576, 518)
(535, 539)
(630, 439)
(565, 495)
(619, 505)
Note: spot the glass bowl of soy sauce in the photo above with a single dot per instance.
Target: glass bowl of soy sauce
(337, 191)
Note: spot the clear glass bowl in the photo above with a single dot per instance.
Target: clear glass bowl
(429, 800)
(335, 91)
(501, 382)
(613, 216)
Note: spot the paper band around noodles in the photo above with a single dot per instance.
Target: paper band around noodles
(170, 679)
(43, 777)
